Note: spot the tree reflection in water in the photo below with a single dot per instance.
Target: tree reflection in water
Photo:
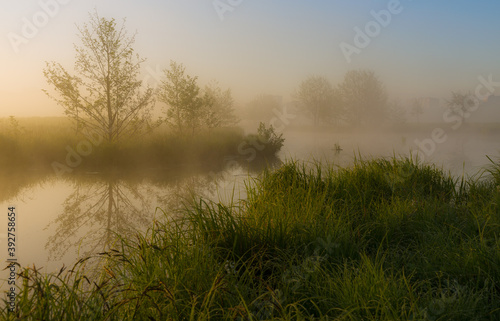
(178, 194)
(100, 209)
(96, 212)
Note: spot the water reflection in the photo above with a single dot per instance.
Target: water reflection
(95, 212)
(177, 194)
(210, 184)
(78, 215)
(14, 182)
(102, 207)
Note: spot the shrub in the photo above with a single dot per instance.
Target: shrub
(267, 141)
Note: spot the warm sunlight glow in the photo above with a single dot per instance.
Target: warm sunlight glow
(422, 49)
(249, 160)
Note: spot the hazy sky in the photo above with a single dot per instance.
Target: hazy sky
(419, 47)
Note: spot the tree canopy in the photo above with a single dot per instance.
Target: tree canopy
(360, 99)
(181, 94)
(219, 107)
(318, 99)
(189, 107)
(263, 107)
(417, 108)
(363, 96)
(105, 94)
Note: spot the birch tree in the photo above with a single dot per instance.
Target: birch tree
(180, 92)
(105, 94)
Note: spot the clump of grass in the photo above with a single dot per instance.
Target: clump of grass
(410, 214)
(383, 239)
(494, 171)
(66, 295)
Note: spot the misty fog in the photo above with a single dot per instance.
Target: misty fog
(117, 115)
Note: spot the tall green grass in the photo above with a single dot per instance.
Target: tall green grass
(381, 240)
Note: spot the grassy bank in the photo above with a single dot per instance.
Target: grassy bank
(384, 239)
(53, 145)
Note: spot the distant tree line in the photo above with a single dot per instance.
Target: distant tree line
(360, 99)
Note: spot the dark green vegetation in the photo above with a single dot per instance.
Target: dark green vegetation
(382, 240)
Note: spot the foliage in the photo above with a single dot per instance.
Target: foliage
(45, 141)
(462, 104)
(105, 94)
(262, 107)
(181, 94)
(319, 100)
(417, 108)
(360, 99)
(396, 114)
(218, 110)
(364, 97)
(267, 141)
(190, 108)
(270, 138)
(14, 129)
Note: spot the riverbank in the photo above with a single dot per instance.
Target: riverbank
(53, 145)
(383, 239)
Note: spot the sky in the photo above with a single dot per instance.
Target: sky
(418, 48)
